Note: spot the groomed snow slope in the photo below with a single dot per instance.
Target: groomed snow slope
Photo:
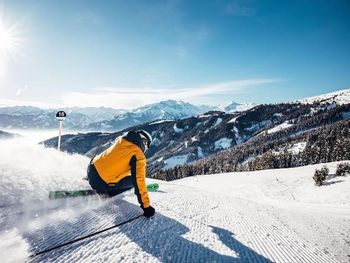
(267, 216)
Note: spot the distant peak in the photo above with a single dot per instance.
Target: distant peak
(233, 103)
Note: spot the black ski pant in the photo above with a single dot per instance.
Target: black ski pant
(102, 187)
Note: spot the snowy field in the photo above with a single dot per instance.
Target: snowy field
(266, 216)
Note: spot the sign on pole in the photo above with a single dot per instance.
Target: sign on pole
(60, 117)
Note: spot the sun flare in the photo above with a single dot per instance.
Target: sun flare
(9, 41)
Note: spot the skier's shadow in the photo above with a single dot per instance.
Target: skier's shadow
(245, 253)
(159, 236)
(162, 237)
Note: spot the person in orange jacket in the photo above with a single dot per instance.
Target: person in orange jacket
(122, 167)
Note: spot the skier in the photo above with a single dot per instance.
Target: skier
(122, 167)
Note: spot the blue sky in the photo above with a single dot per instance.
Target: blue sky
(125, 54)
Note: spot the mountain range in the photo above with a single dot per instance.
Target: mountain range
(102, 119)
(243, 136)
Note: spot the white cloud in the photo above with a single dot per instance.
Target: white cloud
(133, 98)
(19, 91)
(130, 98)
(40, 104)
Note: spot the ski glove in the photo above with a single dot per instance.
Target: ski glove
(149, 211)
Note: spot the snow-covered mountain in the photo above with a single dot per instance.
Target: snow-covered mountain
(236, 107)
(91, 118)
(246, 138)
(338, 97)
(28, 117)
(165, 110)
(106, 119)
(96, 113)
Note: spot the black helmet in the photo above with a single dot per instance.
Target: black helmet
(145, 136)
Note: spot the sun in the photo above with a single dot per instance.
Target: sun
(6, 39)
(9, 41)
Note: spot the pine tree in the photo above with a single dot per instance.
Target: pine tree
(320, 175)
(343, 169)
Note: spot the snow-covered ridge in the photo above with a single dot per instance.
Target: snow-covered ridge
(237, 107)
(339, 97)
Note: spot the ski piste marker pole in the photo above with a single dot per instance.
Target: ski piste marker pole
(81, 238)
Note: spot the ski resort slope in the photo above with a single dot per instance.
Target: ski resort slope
(266, 216)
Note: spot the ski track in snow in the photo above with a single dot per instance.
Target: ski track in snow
(190, 225)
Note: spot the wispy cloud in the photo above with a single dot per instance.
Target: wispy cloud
(239, 8)
(133, 98)
(20, 91)
(191, 39)
(87, 16)
(34, 103)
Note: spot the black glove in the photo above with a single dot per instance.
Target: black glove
(148, 211)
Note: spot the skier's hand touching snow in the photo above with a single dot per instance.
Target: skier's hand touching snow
(148, 211)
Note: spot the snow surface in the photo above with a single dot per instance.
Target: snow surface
(280, 127)
(258, 125)
(175, 160)
(265, 216)
(238, 137)
(233, 120)
(176, 129)
(339, 97)
(160, 121)
(297, 148)
(28, 171)
(218, 121)
(223, 143)
(200, 152)
(236, 107)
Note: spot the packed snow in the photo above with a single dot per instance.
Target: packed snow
(263, 216)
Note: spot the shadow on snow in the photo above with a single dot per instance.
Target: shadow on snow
(160, 236)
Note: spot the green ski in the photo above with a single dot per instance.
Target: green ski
(77, 193)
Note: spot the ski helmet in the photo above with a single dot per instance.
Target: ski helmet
(146, 136)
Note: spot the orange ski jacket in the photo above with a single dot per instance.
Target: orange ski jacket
(124, 158)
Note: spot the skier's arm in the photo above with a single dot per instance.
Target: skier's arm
(138, 174)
